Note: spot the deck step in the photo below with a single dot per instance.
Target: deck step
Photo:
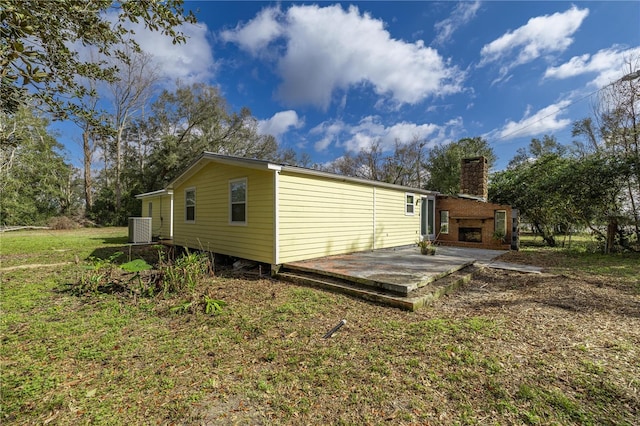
(412, 301)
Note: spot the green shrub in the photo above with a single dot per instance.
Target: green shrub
(183, 274)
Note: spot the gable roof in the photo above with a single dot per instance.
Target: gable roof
(210, 157)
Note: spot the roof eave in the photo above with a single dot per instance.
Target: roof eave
(207, 157)
(154, 193)
(334, 176)
(210, 157)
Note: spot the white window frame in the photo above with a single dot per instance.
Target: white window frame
(186, 205)
(409, 207)
(150, 209)
(245, 202)
(444, 224)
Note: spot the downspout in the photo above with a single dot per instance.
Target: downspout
(171, 216)
(276, 220)
(373, 242)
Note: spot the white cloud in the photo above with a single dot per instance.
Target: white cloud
(322, 144)
(189, 62)
(257, 33)
(329, 132)
(280, 123)
(461, 15)
(370, 131)
(541, 36)
(544, 121)
(327, 49)
(607, 64)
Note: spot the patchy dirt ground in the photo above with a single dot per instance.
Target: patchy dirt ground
(562, 347)
(520, 293)
(507, 348)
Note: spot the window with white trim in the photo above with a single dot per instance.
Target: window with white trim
(409, 204)
(444, 221)
(190, 205)
(238, 201)
(150, 209)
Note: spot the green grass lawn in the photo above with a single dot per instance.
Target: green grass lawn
(44, 246)
(581, 254)
(508, 348)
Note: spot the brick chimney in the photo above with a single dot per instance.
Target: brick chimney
(474, 177)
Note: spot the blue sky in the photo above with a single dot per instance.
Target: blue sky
(326, 78)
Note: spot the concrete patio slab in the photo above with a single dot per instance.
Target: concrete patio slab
(400, 270)
(511, 267)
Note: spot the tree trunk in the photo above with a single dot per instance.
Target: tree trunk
(88, 183)
(612, 230)
(634, 211)
(68, 193)
(547, 237)
(118, 169)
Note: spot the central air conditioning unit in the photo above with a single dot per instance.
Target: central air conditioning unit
(140, 230)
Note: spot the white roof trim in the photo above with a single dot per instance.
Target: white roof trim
(155, 193)
(206, 157)
(334, 176)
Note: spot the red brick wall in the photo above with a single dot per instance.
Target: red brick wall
(474, 177)
(466, 213)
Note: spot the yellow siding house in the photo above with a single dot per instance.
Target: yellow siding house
(275, 213)
(158, 205)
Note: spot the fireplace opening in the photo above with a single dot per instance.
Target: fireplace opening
(470, 235)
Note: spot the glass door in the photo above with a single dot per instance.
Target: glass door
(427, 216)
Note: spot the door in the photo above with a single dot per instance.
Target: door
(427, 216)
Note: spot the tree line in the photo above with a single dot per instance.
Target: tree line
(137, 139)
(592, 182)
(150, 150)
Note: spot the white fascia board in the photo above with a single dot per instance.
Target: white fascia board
(154, 193)
(209, 157)
(300, 170)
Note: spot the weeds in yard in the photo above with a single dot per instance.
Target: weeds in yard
(212, 306)
(209, 305)
(98, 275)
(136, 267)
(491, 353)
(183, 274)
(179, 277)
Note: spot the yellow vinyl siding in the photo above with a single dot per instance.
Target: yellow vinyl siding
(393, 227)
(165, 216)
(160, 215)
(321, 217)
(212, 229)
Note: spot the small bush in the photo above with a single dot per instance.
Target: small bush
(62, 222)
(183, 274)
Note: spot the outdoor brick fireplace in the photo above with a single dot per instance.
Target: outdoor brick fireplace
(468, 219)
(470, 235)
